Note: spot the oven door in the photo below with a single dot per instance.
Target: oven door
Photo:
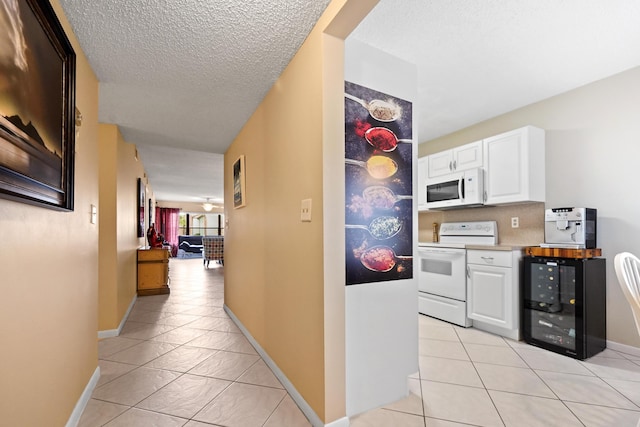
(443, 272)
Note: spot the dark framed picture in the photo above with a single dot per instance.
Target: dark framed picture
(150, 208)
(140, 216)
(239, 192)
(37, 106)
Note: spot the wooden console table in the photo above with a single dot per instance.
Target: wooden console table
(153, 271)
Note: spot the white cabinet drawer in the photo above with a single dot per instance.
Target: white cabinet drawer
(446, 309)
(495, 258)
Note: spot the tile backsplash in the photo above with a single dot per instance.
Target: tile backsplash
(530, 215)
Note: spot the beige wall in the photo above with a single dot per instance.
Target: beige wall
(591, 158)
(129, 170)
(119, 170)
(274, 263)
(49, 286)
(107, 220)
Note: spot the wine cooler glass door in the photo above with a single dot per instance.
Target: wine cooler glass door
(550, 303)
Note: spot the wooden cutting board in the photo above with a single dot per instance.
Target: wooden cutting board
(562, 252)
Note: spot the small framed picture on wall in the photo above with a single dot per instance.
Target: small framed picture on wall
(239, 191)
(140, 212)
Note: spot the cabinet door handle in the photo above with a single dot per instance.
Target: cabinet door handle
(450, 163)
(454, 165)
(487, 258)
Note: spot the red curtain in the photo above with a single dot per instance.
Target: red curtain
(167, 224)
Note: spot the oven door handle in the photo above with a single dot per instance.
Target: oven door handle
(440, 254)
(441, 251)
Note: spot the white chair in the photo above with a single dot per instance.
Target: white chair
(627, 268)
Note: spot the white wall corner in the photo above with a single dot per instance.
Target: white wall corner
(110, 333)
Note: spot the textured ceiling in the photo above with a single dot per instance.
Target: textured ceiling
(187, 74)
(181, 77)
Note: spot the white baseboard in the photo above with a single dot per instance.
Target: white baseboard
(342, 422)
(295, 395)
(623, 348)
(74, 419)
(115, 332)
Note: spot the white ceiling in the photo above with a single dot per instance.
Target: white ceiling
(181, 77)
(479, 59)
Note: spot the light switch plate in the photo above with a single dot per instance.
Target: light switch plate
(305, 210)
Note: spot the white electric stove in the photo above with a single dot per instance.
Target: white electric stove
(442, 281)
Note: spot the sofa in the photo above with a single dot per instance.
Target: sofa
(189, 246)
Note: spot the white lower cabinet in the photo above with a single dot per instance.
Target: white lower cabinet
(493, 291)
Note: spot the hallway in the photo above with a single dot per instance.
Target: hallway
(181, 361)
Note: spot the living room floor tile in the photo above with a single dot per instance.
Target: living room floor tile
(519, 410)
(460, 404)
(198, 369)
(180, 335)
(386, 418)
(109, 346)
(287, 414)
(451, 371)
(242, 405)
(225, 365)
(134, 386)
(138, 417)
(109, 370)
(446, 349)
(98, 413)
(599, 416)
(505, 356)
(141, 353)
(185, 396)
(583, 389)
(181, 359)
(512, 379)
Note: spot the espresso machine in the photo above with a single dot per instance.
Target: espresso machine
(573, 228)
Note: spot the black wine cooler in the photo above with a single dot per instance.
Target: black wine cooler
(564, 305)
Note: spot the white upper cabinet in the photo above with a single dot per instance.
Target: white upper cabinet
(422, 183)
(515, 166)
(457, 159)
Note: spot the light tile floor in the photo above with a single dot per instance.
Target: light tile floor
(181, 361)
(471, 378)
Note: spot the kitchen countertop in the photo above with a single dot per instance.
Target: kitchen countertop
(498, 247)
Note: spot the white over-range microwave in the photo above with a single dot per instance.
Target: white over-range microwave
(454, 190)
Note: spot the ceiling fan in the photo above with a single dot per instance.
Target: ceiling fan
(208, 206)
